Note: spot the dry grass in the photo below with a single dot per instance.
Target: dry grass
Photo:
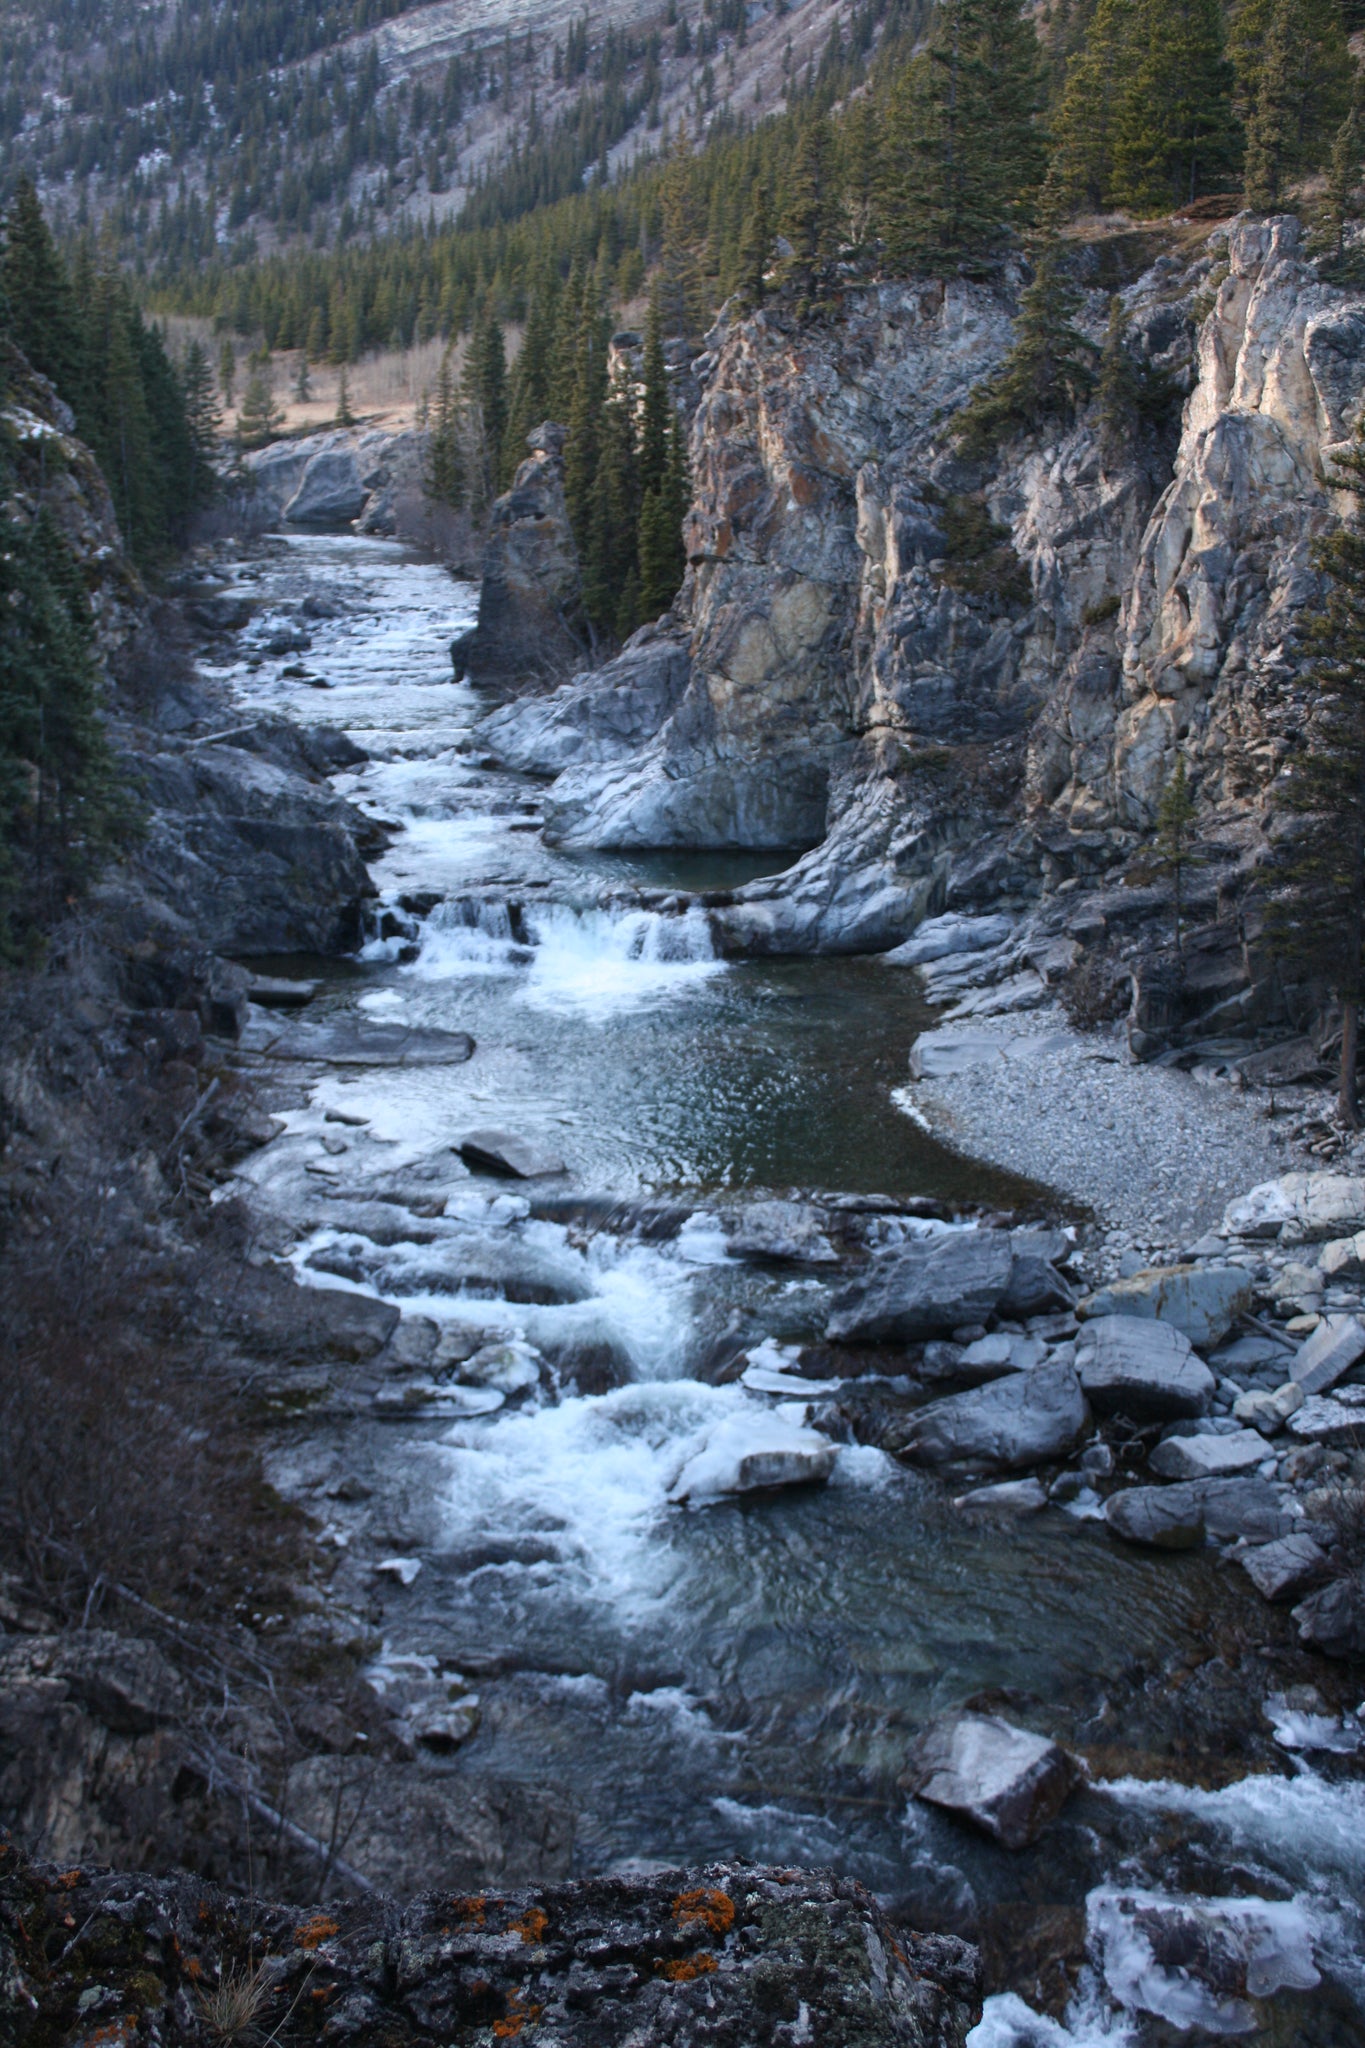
(232, 2009)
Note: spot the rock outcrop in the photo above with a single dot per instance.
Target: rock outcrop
(530, 626)
(729, 1953)
(960, 685)
(346, 476)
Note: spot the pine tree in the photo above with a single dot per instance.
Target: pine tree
(203, 422)
(755, 249)
(682, 297)
(1318, 913)
(660, 546)
(1081, 169)
(1343, 176)
(808, 212)
(1174, 133)
(446, 478)
(1048, 372)
(1303, 91)
(588, 399)
(303, 383)
(962, 154)
(261, 416)
(1118, 386)
(656, 407)
(486, 372)
(344, 416)
(42, 312)
(1174, 826)
(227, 370)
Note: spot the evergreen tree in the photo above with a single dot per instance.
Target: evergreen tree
(486, 373)
(203, 422)
(656, 407)
(587, 403)
(962, 152)
(42, 311)
(261, 416)
(660, 545)
(531, 381)
(1318, 914)
(682, 296)
(227, 370)
(303, 383)
(1118, 388)
(1081, 170)
(446, 478)
(755, 249)
(1174, 829)
(1048, 372)
(1343, 176)
(1303, 92)
(1174, 135)
(808, 212)
(344, 416)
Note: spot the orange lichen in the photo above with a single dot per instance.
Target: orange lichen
(683, 1969)
(314, 1932)
(531, 1926)
(520, 2013)
(194, 1969)
(470, 1909)
(69, 1879)
(715, 1910)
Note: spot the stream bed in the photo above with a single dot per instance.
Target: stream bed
(743, 1677)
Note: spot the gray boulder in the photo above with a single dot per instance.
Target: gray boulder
(1201, 1301)
(1334, 1619)
(1330, 1351)
(1285, 1569)
(1146, 1370)
(1005, 1780)
(938, 1284)
(1299, 1207)
(330, 492)
(1323, 1419)
(1208, 1457)
(781, 1233)
(1180, 1517)
(1017, 1421)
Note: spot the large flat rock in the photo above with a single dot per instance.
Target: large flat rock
(504, 1152)
(1299, 1207)
(1180, 1517)
(937, 1284)
(1023, 1420)
(1208, 1457)
(1142, 1369)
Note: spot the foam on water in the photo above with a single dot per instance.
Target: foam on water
(592, 962)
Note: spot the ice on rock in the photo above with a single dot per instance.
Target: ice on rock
(750, 1452)
(1197, 1962)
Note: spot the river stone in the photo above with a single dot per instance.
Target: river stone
(1145, 1370)
(781, 1233)
(1333, 1620)
(1323, 1420)
(1299, 1207)
(505, 1153)
(1200, 1301)
(1344, 1258)
(1017, 1421)
(1286, 1569)
(1266, 1411)
(1179, 1517)
(683, 1957)
(1009, 1782)
(1208, 1457)
(1333, 1348)
(752, 1452)
(924, 1289)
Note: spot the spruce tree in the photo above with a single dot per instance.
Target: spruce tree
(962, 154)
(1081, 169)
(227, 370)
(1174, 132)
(42, 311)
(486, 375)
(1318, 912)
(755, 249)
(1118, 387)
(344, 416)
(808, 218)
(261, 415)
(1303, 91)
(1048, 372)
(1343, 176)
(446, 476)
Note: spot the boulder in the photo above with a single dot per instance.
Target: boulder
(1208, 1457)
(1017, 1421)
(1200, 1301)
(330, 492)
(940, 937)
(1005, 1780)
(989, 1358)
(1343, 1258)
(1142, 1369)
(1180, 1517)
(781, 1233)
(936, 1284)
(1285, 1569)
(1300, 1208)
(752, 1452)
(1266, 1411)
(1334, 1347)
(1334, 1619)
(505, 1153)
(1323, 1420)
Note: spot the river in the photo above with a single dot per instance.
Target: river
(742, 1677)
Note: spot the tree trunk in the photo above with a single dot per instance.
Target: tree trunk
(1348, 1108)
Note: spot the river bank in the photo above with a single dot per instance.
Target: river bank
(510, 1413)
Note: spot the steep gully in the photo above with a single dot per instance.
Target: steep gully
(658, 1679)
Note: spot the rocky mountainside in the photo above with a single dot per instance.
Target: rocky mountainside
(963, 684)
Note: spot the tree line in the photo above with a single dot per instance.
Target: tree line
(152, 427)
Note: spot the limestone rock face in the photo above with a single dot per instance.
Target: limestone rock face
(529, 626)
(594, 719)
(726, 1953)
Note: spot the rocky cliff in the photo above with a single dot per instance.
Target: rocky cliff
(962, 684)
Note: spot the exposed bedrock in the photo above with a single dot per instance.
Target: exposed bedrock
(530, 629)
(963, 685)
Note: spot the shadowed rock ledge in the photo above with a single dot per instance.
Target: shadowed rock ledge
(731, 1955)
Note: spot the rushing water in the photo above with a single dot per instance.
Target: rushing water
(742, 1678)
